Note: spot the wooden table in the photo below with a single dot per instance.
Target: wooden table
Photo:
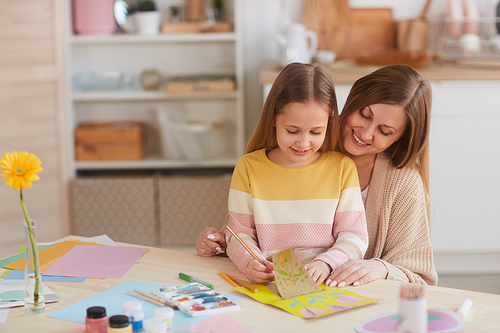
(162, 266)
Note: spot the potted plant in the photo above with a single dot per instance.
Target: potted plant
(146, 16)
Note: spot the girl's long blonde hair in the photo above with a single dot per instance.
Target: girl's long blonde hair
(299, 83)
(398, 85)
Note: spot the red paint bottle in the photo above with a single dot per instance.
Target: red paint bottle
(96, 320)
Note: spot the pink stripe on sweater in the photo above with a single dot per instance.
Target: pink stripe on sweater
(275, 237)
(243, 223)
(350, 221)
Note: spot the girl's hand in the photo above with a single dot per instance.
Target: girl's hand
(211, 242)
(319, 270)
(357, 272)
(257, 273)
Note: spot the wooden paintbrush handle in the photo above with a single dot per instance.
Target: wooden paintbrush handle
(244, 245)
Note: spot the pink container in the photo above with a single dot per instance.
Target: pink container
(94, 17)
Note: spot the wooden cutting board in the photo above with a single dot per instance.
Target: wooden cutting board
(370, 30)
(413, 59)
(330, 20)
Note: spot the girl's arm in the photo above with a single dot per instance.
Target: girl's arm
(241, 220)
(349, 226)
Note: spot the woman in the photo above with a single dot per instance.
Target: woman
(385, 130)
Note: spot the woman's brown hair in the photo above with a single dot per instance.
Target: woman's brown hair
(297, 83)
(403, 86)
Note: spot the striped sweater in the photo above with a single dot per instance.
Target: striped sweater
(316, 209)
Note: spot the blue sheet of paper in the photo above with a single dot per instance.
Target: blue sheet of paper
(16, 274)
(112, 299)
(16, 257)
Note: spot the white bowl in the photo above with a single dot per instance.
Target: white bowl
(471, 43)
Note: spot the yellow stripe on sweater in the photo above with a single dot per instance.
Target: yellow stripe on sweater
(301, 183)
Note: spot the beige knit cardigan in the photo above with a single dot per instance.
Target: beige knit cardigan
(398, 229)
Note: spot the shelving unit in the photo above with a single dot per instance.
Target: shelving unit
(168, 54)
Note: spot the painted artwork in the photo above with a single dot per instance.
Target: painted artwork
(313, 305)
(437, 321)
(292, 279)
(12, 293)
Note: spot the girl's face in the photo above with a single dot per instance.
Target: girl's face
(300, 132)
(373, 129)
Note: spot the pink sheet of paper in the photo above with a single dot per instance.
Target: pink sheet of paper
(97, 261)
(223, 323)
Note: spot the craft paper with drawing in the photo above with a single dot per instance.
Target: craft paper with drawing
(292, 279)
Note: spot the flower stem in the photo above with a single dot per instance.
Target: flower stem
(34, 251)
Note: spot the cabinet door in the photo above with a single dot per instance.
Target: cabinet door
(122, 208)
(464, 166)
(188, 204)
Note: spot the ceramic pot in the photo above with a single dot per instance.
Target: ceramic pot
(147, 23)
(297, 44)
(94, 17)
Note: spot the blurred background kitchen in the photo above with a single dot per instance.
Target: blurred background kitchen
(139, 110)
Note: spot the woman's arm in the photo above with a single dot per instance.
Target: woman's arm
(403, 251)
(211, 242)
(404, 228)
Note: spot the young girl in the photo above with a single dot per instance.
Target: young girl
(291, 189)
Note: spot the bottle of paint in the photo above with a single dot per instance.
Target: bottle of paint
(166, 314)
(136, 318)
(119, 324)
(131, 306)
(133, 309)
(96, 320)
(155, 325)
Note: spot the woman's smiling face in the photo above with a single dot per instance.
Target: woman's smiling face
(373, 129)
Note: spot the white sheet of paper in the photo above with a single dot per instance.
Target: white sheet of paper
(3, 315)
(101, 239)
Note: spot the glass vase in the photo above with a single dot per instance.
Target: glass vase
(34, 301)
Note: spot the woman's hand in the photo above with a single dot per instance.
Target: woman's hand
(211, 242)
(357, 272)
(319, 271)
(258, 273)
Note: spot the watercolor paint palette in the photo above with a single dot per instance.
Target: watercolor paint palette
(195, 299)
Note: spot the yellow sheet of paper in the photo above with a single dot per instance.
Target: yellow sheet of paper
(292, 279)
(50, 255)
(314, 305)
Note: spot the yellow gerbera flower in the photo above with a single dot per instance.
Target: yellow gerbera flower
(21, 169)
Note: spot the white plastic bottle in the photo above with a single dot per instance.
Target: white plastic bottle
(166, 314)
(155, 325)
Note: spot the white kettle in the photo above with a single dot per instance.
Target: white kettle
(297, 44)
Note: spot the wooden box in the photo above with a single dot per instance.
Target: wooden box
(201, 84)
(194, 27)
(119, 140)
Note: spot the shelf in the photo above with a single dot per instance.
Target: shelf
(108, 99)
(154, 163)
(146, 96)
(162, 38)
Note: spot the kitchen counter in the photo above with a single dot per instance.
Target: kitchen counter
(346, 72)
